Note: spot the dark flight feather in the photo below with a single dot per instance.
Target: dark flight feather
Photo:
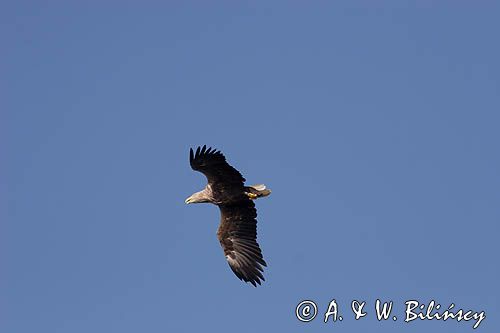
(238, 236)
(213, 165)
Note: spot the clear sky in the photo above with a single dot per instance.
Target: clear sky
(376, 125)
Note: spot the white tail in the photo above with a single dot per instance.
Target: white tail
(259, 187)
(260, 190)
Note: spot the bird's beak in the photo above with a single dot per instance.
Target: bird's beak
(188, 200)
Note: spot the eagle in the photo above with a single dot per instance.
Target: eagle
(237, 231)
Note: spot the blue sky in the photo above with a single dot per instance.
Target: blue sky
(375, 125)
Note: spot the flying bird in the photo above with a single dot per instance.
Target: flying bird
(237, 231)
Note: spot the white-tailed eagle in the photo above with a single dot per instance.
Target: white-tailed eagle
(237, 231)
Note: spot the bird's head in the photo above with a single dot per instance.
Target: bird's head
(198, 197)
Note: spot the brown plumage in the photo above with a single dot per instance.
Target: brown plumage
(237, 231)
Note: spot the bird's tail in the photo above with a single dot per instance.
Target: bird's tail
(259, 190)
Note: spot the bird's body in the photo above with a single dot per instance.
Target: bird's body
(237, 231)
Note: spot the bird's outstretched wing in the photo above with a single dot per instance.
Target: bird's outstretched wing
(213, 165)
(238, 236)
